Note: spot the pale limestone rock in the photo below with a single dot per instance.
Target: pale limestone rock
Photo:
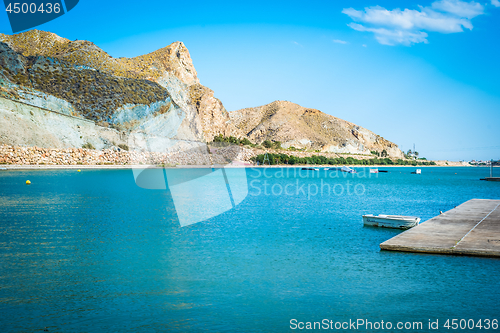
(182, 115)
(294, 125)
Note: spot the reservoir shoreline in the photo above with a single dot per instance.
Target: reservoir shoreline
(11, 167)
(233, 155)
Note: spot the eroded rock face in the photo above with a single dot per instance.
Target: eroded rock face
(174, 58)
(214, 118)
(11, 63)
(294, 125)
(22, 124)
(148, 94)
(156, 96)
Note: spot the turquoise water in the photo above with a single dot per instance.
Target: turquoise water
(93, 252)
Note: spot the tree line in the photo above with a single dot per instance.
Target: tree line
(281, 158)
(244, 141)
(275, 159)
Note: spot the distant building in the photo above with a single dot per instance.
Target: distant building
(479, 162)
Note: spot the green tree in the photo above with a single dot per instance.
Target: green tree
(267, 144)
(245, 141)
(218, 138)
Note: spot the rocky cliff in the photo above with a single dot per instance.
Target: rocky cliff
(57, 93)
(157, 95)
(300, 127)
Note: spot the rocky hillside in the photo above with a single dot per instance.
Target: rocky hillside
(300, 127)
(151, 94)
(57, 93)
(214, 117)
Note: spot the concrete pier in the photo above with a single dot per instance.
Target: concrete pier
(473, 228)
(492, 179)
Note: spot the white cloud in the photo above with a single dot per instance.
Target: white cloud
(294, 42)
(495, 3)
(407, 26)
(338, 41)
(392, 36)
(459, 8)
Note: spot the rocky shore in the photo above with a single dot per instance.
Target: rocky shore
(12, 155)
(236, 155)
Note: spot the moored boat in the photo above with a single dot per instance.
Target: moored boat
(391, 221)
(311, 169)
(347, 169)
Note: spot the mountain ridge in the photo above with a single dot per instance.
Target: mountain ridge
(301, 127)
(148, 94)
(157, 94)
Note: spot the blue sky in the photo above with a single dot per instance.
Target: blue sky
(426, 73)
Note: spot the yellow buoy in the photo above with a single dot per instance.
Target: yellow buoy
(28, 182)
(78, 170)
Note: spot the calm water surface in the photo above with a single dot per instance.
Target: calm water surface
(93, 252)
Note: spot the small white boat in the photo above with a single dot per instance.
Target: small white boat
(347, 169)
(417, 172)
(391, 221)
(373, 170)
